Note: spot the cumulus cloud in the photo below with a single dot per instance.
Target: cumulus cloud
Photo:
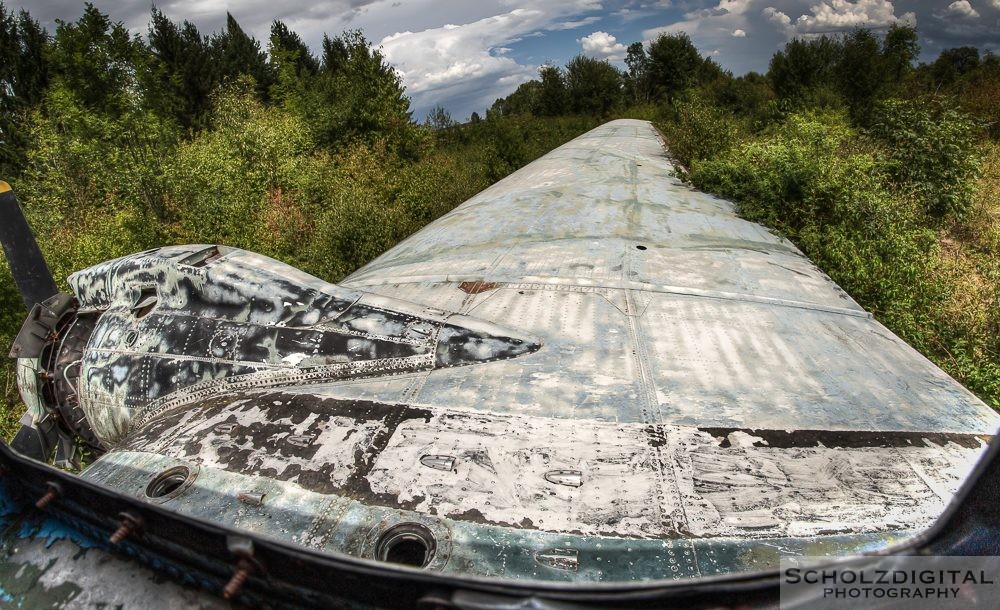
(839, 15)
(602, 45)
(961, 9)
(468, 65)
(453, 54)
(738, 33)
(775, 16)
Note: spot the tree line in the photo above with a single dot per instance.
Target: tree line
(174, 73)
(853, 70)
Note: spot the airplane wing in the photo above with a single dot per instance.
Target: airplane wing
(589, 372)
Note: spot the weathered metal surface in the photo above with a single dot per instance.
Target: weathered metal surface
(586, 477)
(650, 387)
(468, 544)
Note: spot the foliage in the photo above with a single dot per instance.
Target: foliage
(931, 149)
(968, 316)
(219, 181)
(953, 64)
(700, 130)
(803, 66)
(593, 86)
(98, 61)
(356, 96)
(637, 82)
(748, 97)
(856, 69)
(183, 71)
(239, 54)
(12, 314)
(672, 65)
(439, 118)
(553, 95)
(524, 100)
(24, 76)
(93, 187)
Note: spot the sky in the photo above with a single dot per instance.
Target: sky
(463, 54)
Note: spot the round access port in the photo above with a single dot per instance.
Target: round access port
(169, 482)
(409, 544)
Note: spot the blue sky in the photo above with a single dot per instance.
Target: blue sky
(463, 54)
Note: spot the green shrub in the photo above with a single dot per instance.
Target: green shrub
(697, 129)
(930, 147)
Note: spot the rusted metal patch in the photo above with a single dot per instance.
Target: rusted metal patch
(477, 287)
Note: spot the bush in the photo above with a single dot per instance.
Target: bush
(221, 180)
(930, 147)
(697, 129)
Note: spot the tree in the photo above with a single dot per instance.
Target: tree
(594, 86)
(952, 64)
(335, 54)
(292, 62)
(899, 50)
(860, 73)
(439, 118)
(185, 71)
(287, 49)
(673, 65)
(99, 62)
(553, 97)
(803, 66)
(475, 119)
(24, 70)
(637, 79)
(239, 54)
(357, 95)
(24, 74)
(524, 100)
(746, 96)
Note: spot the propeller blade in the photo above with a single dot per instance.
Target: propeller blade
(31, 274)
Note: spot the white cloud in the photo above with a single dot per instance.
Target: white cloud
(724, 18)
(839, 15)
(467, 65)
(572, 25)
(602, 45)
(775, 16)
(735, 7)
(738, 33)
(961, 9)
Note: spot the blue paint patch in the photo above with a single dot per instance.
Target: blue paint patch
(36, 525)
(51, 531)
